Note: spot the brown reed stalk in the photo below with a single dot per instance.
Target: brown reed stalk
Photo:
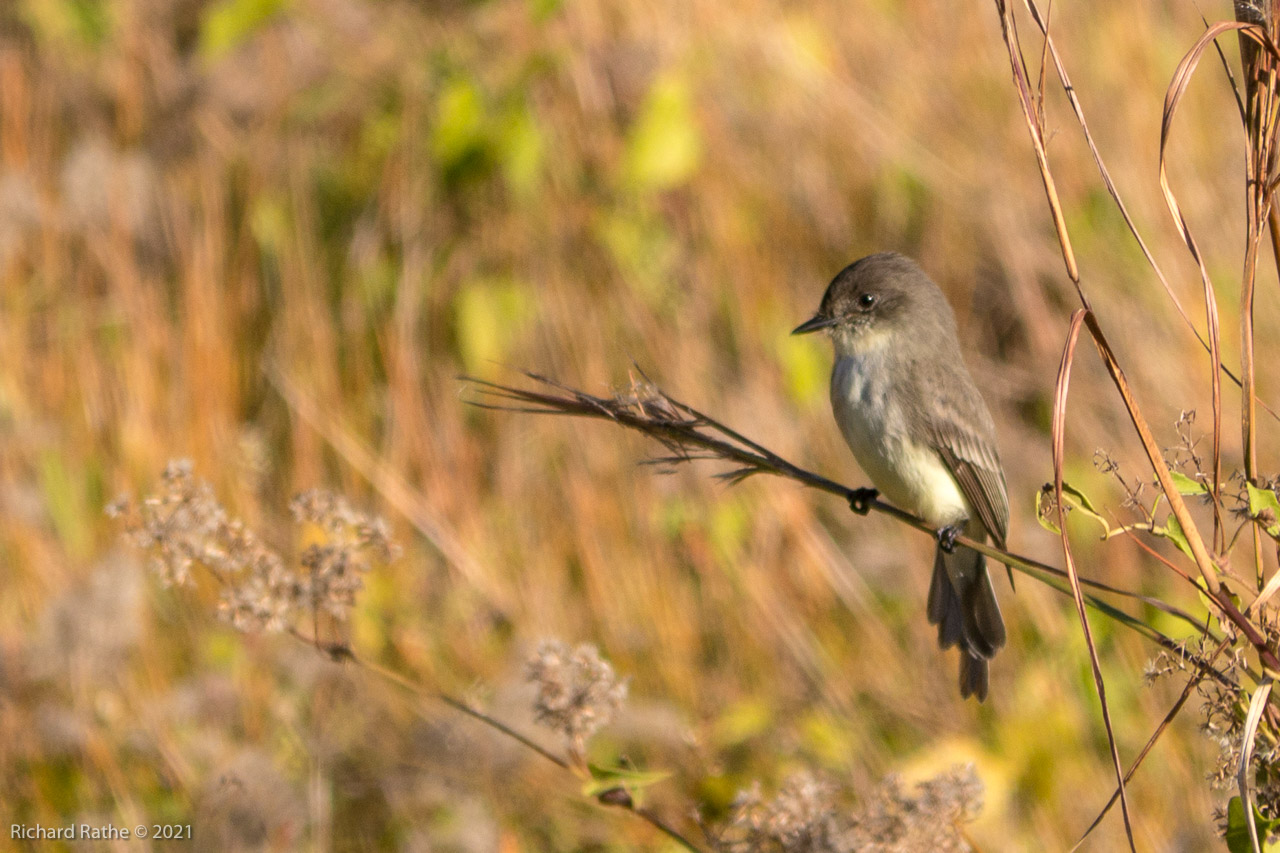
(1254, 25)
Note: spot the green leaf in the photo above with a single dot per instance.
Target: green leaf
(1173, 531)
(1043, 495)
(222, 651)
(827, 737)
(544, 9)
(379, 133)
(62, 486)
(460, 124)
(91, 19)
(1074, 500)
(665, 147)
(490, 315)
(270, 223)
(729, 525)
(1083, 500)
(805, 367)
(1238, 829)
(522, 150)
(1265, 509)
(69, 23)
(742, 721)
(642, 247)
(226, 24)
(635, 781)
(1188, 485)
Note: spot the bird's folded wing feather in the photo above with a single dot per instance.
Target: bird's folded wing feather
(974, 463)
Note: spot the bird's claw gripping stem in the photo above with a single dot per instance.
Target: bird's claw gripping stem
(860, 500)
(947, 537)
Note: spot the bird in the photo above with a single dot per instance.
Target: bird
(920, 429)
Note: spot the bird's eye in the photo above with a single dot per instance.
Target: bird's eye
(866, 300)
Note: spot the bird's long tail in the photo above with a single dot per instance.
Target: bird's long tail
(963, 606)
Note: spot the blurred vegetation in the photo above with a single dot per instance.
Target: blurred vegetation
(365, 198)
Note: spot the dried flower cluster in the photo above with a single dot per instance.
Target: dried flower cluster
(334, 567)
(1224, 715)
(1105, 463)
(802, 818)
(1185, 455)
(183, 525)
(808, 815)
(1224, 706)
(1225, 701)
(578, 691)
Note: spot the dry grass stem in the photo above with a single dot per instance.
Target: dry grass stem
(689, 435)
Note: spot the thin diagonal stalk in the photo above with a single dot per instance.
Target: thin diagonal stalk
(688, 434)
(343, 653)
(1187, 690)
(1009, 28)
(1114, 192)
(1059, 460)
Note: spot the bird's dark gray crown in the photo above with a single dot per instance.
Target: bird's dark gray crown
(884, 288)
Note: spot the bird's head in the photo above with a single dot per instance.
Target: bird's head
(874, 298)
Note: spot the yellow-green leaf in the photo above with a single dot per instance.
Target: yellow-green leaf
(1265, 509)
(665, 147)
(226, 24)
(641, 246)
(490, 315)
(522, 149)
(742, 721)
(1237, 837)
(828, 737)
(1188, 485)
(634, 781)
(459, 123)
(1074, 500)
(805, 367)
(728, 529)
(1172, 531)
(270, 223)
(62, 487)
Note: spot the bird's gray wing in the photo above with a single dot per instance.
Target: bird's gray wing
(972, 459)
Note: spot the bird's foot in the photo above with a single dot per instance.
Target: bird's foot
(947, 537)
(860, 500)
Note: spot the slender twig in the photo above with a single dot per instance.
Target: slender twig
(388, 482)
(1059, 460)
(1192, 683)
(1114, 192)
(688, 434)
(1009, 28)
(1258, 58)
(345, 654)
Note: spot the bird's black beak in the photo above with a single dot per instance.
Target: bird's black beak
(813, 325)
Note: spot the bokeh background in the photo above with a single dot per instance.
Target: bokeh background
(268, 236)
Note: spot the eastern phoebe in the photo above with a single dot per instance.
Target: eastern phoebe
(919, 428)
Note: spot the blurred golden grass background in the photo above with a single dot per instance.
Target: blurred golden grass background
(365, 199)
